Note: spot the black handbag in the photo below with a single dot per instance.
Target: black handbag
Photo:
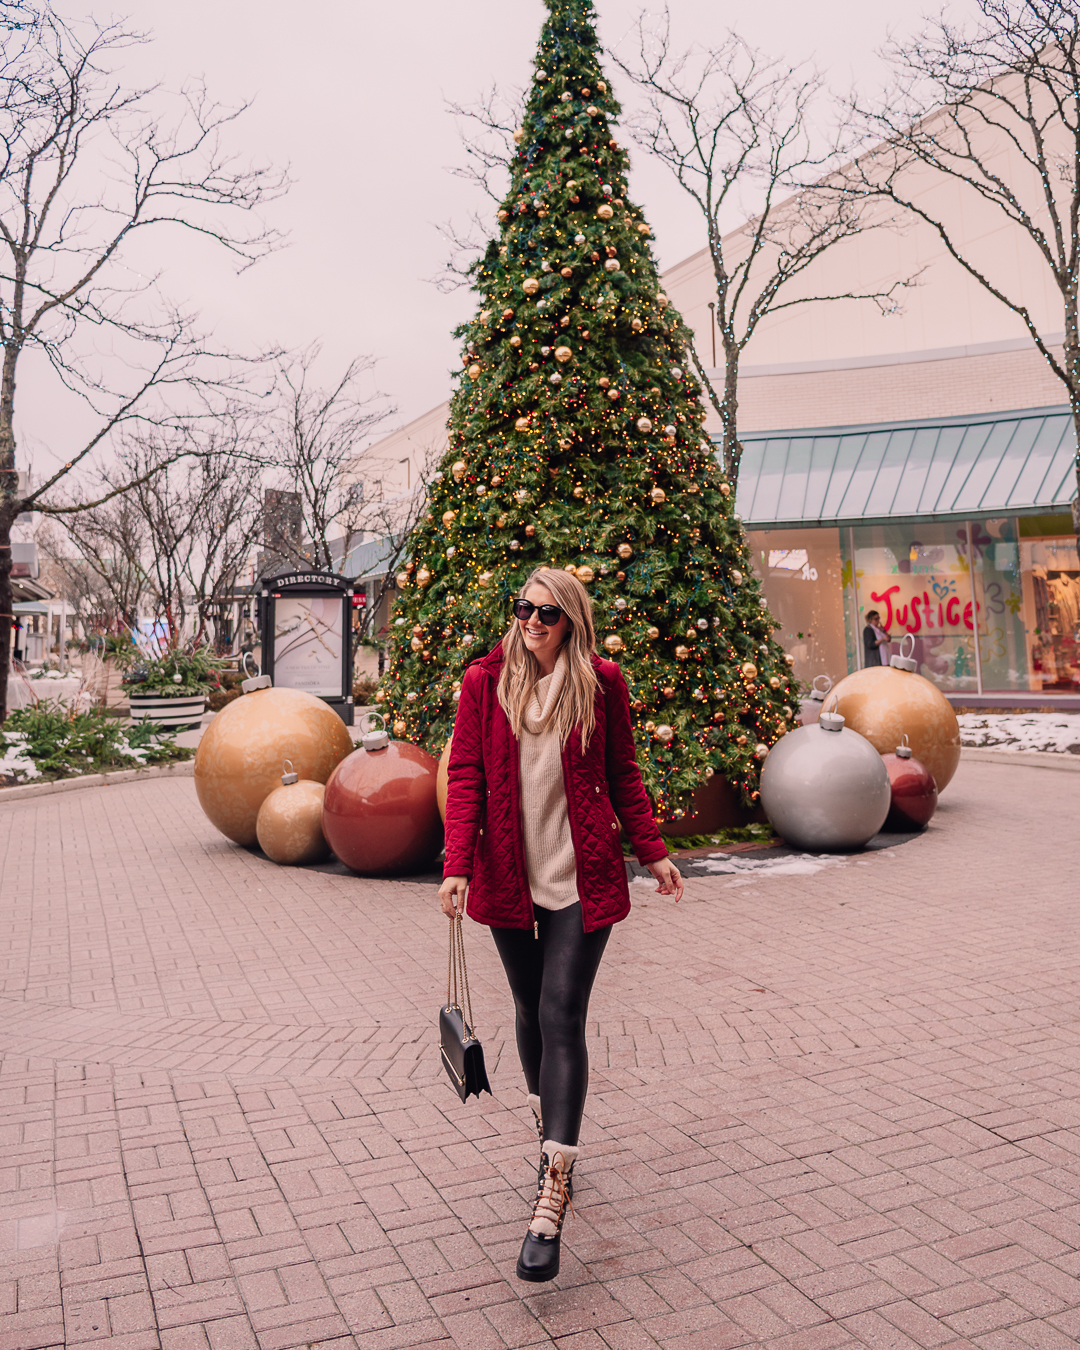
(462, 1053)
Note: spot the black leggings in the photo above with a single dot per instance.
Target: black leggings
(551, 980)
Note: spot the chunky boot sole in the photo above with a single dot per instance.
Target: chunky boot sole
(538, 1260)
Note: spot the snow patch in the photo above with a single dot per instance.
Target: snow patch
(1054, 733)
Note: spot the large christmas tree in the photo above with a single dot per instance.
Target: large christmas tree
(575, 441)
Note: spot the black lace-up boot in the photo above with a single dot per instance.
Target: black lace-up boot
(539, 1257)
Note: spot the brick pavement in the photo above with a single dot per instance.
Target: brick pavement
(828, 1111)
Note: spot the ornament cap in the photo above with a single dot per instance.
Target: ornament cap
(254, 679)
(818, 694)
(904, 751)
(905, 661)
(831, 722)
(374, 738)
(288, 775)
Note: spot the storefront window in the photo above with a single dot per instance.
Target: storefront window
(800, 573)
(918, 581)
(1003, 647)
(1050, 577)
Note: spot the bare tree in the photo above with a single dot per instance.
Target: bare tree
(739, 130)
(1004, 92)
(391, 520)
(97, 560)
(487, 129)
(87, 167)
(317, 443)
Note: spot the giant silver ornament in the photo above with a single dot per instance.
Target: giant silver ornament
(825, 788)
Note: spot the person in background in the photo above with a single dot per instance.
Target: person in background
(875, 641)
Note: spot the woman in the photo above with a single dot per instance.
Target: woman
(542, 763)
(875, 641)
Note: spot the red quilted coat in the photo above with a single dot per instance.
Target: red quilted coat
(483, 805)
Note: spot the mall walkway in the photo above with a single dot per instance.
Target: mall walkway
(837, 1109)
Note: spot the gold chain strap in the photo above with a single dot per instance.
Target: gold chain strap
(457, 975)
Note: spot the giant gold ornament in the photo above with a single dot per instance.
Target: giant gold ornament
(652, 634)
(625, 551)
(289, 824)
(423, 576)
(774, 681)
(749, 670)
(665, 734)
(604, 211)
(442, 781)
(474, 371)
(585, 574)
(613, 643)
(238, 762)
(658, 495)
(449, 517)
(458, 469)
(682, 653)
(522, 424)
(402, 580)
(612, 265)
(563, 353)
(530, 285)
(883, 703)
(644, 424)
(486, 578)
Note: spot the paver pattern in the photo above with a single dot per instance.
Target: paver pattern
(832, 1110)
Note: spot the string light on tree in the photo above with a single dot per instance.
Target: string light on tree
(584, 430)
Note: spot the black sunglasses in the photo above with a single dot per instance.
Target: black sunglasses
(549, 614)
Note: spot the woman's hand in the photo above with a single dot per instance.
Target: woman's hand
(669, 877)
(452, 895)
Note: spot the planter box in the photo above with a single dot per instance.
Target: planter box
(171, 714)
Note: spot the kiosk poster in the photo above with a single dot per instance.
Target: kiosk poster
(307, 644)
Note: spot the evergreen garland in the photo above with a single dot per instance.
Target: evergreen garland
(576, 441)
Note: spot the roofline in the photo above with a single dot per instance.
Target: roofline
(916, 423)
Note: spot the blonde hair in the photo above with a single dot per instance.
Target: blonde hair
(521, 671)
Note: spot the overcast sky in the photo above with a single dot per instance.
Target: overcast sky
(351, 95)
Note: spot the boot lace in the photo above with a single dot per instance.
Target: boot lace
(552, 1199)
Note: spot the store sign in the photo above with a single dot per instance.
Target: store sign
(914, 607)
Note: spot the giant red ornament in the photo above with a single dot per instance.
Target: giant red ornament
(381, 815)
(914, 792)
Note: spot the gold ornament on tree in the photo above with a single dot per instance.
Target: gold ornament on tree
(613, 643)
(665, 733)
(458, 469)
(749, 670)
(625, 551)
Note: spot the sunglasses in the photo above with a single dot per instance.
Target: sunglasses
(548, 614)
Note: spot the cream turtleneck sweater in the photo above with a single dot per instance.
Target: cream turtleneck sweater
(549, 848)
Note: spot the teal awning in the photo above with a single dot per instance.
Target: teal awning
(368, 562)
(990, 464)
(30, 607)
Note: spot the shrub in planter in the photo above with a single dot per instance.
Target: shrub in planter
(172, 690)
